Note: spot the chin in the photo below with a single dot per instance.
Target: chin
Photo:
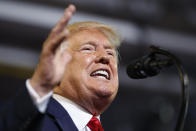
(104, 93)
(103, 102)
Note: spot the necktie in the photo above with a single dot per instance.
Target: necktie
(94, 124)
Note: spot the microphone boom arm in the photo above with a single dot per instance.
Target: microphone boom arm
(184, 83)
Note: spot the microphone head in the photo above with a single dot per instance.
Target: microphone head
(135, 70)
(142, 68)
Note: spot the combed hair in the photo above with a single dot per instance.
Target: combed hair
(108, 31)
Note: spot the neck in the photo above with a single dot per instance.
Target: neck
(95, 105)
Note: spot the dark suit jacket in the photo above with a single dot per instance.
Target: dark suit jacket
(21, 114)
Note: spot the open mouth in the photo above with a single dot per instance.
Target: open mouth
(102, 73)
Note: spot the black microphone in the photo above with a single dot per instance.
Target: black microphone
(147, 66)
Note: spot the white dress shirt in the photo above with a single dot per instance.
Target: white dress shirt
(79, 116)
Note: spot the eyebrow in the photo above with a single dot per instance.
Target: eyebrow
(94, 44)
(109, 47)
(89, 43)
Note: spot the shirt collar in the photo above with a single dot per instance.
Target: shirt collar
(74, 111)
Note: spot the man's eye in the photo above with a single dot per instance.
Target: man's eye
(110, 53)
(87, 48)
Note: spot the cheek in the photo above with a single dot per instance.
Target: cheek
(116, 79)
(88, 59)
(114, 67)
(84, 60)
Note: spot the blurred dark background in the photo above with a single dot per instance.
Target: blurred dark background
(141, 105)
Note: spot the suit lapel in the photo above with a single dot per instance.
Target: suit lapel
(61, 116)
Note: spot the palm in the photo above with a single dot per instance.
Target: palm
(53, 60)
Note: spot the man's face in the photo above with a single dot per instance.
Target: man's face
(92, 72)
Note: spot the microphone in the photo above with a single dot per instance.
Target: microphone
(147, 66)
(151, 65)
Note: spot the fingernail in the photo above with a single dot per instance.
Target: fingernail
(72, 7)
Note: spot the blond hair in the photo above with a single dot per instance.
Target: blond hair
(108, 31)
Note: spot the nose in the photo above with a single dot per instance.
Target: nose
(103, 58)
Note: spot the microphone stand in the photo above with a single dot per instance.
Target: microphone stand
(184, 84)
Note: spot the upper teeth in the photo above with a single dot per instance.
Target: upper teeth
(102, 72)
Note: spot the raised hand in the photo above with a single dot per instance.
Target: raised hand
(53, 60)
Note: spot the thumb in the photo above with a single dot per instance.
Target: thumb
(62, 58)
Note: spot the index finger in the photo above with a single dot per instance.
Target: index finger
(68, 13)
